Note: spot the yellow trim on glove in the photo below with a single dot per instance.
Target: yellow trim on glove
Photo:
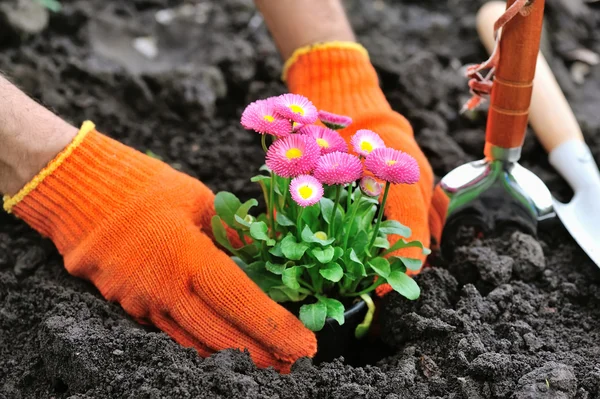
(11, 202)
(317, 47)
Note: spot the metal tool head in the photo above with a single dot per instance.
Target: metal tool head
(491, 195)
(581, 217)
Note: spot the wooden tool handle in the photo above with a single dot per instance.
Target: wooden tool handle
(513, 83)
(550, 114)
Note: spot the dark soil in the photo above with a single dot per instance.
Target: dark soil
(510, 317)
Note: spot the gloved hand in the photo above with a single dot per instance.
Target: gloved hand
(338, 77)
(139, 230)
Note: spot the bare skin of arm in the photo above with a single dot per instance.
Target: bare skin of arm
(30, 137)
(294, 24)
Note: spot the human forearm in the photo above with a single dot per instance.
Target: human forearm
(30, 137)
(295, 24)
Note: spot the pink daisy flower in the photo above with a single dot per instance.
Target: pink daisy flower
(364, 141)
(334, 121)
(261, 117)
(296, 108)
(370, 186)
(306, 190)
(393, 166)
(338, 168)
(329, 140)
(293, 156)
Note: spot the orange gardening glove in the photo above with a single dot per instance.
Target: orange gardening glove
(138, 230)
(338, 77)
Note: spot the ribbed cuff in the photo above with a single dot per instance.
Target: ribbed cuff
(87, 182)
(337, 77)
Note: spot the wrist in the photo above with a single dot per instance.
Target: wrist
(294, 24)
(31, 136)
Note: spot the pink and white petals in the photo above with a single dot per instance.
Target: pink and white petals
(296, 108)
(306, 190)
(293, 156)
(365, 141)
(393, 166)
(327, 139)
(338, 168)
(261, 117)
(370, 186)
(334, 121)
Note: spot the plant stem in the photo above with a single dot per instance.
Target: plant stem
(317, 280)
(263, 142)
(347, 236)
(285, 193)
(349, 198)
(380, 216)
(299, 224)
(272, 205)
(338, 191)
(368, 289)
(363, 328)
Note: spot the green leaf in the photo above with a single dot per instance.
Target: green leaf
(332, 272)
(360, 241)
(264, 168)
(355, 266)
(249, 250)
(242, 222)
(338, 252)
(381, 242)
(394, 227)
(290, 277)
(381, 266)
(52, 5)
(308, 236)
(263, 278)
(226, 205)
(283, 220)
(243, 210)
(276, 250)
(335, 309)
(292, 249)
(410, 263)
(259, 231)
(402, 243)
(311, 213)
(285, 294)
(326, 209)
(220, 233)
(260, 178)
(323, 255)
(397, 265)
(313, 316)
(275, 268)
(404, 285)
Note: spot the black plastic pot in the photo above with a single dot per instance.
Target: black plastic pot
(335, 340)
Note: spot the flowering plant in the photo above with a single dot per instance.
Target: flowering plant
(322, 239)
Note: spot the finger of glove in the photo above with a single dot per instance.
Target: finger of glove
(224, 287)
(169, 326)
(200, 325)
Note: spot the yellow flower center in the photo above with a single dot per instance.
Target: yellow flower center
(305, 192)
(366, 146)
(321, 235)
(268, 118)
(391, 162)
(322, 143)
(293, 153)
(297, 109)
(370, 187)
